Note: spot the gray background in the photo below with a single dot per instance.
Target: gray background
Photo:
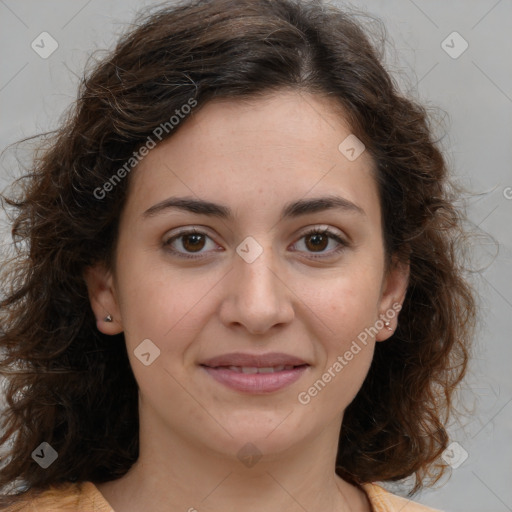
(475, 91)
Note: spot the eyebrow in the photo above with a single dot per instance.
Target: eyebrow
(291, 210)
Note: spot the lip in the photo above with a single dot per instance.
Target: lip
(254, 360)
(255, 383)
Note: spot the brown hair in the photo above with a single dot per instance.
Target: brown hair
(71, 386)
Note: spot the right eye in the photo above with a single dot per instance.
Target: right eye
(191, 241)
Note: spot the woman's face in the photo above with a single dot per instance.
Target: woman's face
(251, 289)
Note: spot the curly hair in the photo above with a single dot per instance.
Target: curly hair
(68, 384)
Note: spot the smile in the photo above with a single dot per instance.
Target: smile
(253, 369)
(256, 380)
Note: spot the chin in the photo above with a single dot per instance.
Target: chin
(270, 432)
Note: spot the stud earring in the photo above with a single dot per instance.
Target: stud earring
(387, 324)
(108, 318)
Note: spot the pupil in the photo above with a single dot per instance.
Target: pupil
(196, 242)
(317, 240)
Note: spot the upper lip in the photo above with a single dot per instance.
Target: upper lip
(254, 360)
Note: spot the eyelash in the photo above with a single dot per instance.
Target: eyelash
(343, 244)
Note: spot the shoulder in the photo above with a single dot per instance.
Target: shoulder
(69, 497)
(85, 497)
(384, 501)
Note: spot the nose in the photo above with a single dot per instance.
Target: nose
(256, 295)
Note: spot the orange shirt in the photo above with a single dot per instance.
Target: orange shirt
(85, 497)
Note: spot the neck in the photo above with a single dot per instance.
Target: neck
(174, 473)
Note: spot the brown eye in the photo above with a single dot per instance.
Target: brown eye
(323, 242)
(193, 242)
(189, 244)
(317, 241)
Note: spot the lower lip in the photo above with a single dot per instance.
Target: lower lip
(256, 382)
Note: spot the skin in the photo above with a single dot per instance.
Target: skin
(253, 157)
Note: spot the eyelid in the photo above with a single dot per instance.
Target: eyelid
(174, 235)
(187, 230)
(320, 228)
(332, 233)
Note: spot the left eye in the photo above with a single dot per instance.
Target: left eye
(318, 240)
(193, 242)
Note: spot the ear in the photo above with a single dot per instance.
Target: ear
(102, 296)
(394, 288)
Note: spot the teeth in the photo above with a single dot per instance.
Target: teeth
(252, 369)
(270, 369)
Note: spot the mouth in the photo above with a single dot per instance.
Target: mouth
(255, 369)
(255, 374)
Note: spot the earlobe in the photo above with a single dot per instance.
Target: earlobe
(392, 297)
(102, 298)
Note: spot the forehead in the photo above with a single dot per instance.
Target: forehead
(260, 152)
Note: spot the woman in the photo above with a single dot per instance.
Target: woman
(241, 288)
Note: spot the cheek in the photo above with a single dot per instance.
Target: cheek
(345, 311)
(157, 302)
(345, 303)
(344, 349)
